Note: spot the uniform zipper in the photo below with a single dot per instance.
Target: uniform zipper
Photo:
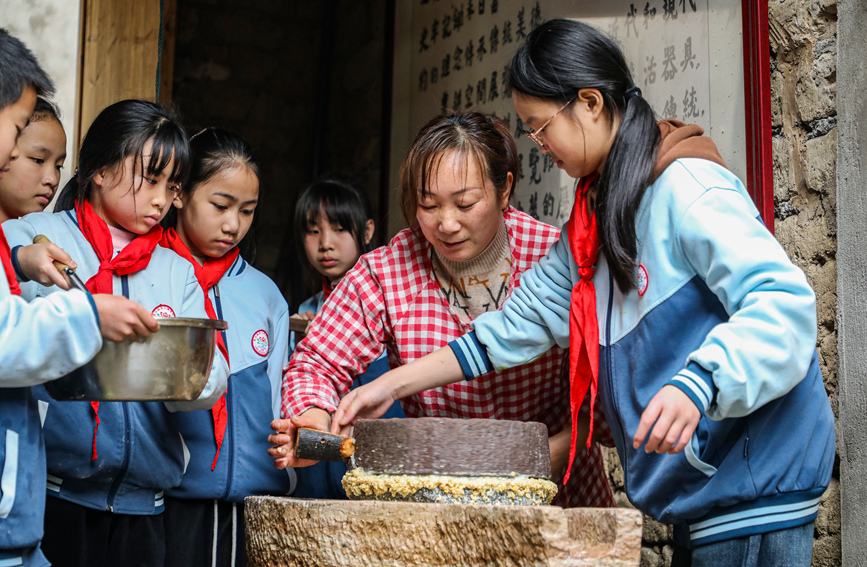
(115, 485)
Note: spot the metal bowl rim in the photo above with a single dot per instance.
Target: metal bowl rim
(216, 324)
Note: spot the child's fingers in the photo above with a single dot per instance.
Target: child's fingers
(59, 254)
(660, 432)
(685, 437)
(55, 277)
(648, 418)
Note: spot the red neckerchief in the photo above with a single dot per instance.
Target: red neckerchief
(6, 258)
(326, 288)
(134, 257)
(208, 276)
(583, 323)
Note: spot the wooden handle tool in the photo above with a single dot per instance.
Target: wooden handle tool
(322, 445)
(67, 270)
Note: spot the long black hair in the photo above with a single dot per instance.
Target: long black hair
(122, 130)
(562, 56)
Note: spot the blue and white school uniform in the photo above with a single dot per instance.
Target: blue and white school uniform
(140, 451)
(258, 345)
(719, 312)
(39, 341)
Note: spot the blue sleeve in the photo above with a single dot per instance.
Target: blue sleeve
(536, 315)
(765, 348)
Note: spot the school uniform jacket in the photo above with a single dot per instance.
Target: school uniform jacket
(140, 451)
(722, 314)
(258, 343)
(39, 341)
(391, 299)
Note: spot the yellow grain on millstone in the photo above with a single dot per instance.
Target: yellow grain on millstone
(360, 484)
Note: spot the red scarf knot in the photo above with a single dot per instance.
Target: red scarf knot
(208, 276)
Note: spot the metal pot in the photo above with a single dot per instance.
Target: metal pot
(172, 364)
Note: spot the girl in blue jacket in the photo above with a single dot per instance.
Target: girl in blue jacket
(227, 445)
(334, 224)
(109, 463)
(676, 303)
(40, 340)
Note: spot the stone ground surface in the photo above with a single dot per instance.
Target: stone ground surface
(320, 533)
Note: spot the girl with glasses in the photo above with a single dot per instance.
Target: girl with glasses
(463, 255)
(680, 310)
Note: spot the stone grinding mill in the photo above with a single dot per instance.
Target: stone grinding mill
(444, 492)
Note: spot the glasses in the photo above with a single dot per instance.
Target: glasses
(537, 135)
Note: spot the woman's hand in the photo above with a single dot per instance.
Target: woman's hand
(121, 318)
(283, 441)
(675, 416)
(37, 263)
(367, 402)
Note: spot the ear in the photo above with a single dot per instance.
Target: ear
(504, 196)
(99, 176)
(178, 200)
(592, 100)
(369, 227)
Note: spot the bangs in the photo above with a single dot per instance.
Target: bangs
(336, 211)
(168, 142)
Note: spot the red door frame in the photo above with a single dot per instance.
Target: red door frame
(757, 92)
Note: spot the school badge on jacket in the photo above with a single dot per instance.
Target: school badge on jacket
(260, 342)
(642, 280)
(162, 310)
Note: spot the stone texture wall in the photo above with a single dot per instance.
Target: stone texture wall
(803, 40)
(257, 68)
(803, 36)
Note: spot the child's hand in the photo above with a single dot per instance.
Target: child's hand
(283, 441)
(307, 315)
(37, 263)
(369, 402)
(675, 416)
(121, 318)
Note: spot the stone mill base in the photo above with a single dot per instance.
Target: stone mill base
(337, 533)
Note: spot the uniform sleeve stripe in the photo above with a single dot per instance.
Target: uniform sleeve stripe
(690, 389)
(703, 379)
(471, 355)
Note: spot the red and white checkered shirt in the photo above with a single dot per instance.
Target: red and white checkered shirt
(391, 300)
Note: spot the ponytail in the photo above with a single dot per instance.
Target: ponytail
(559, 58)
(622, 184)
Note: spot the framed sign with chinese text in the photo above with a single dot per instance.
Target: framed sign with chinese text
(701, 61)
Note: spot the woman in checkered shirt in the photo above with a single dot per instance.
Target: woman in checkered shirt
(463, 255)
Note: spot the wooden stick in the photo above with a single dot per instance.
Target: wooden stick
(323, 446)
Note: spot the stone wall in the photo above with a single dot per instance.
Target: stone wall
(803, 41)
(803, 38)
